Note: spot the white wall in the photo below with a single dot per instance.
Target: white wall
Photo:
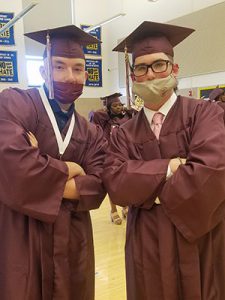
(203, 80)
(91, 13)
(47, 14)
(94, 12)
(15, 7)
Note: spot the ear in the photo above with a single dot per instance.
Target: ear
(132, 77)
(86, 76)
(175, 69)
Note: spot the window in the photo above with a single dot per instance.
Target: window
(33, 64)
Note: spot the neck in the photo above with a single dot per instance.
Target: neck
(64, 107)
(156, 106)
(116, 113)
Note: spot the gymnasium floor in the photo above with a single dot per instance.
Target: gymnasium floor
(109, 240)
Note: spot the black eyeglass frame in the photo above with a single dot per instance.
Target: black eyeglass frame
(151, 66)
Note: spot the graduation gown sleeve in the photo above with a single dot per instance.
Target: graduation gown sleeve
(90, 186)
(100, 118)
(30, 183)
(128, 177)
(194, 197)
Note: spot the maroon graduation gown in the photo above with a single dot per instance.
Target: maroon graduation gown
(46, 243)
(175, 250)
(104, 119)
(222, 105)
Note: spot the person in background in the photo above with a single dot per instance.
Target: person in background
(218, 96)
(168, 165)
(50, 177)
(113, 115)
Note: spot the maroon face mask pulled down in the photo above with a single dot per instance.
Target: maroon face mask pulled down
(67, 93)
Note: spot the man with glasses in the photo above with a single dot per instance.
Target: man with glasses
(158, 66)
(168, 165)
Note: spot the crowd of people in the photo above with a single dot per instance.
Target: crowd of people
(164, 165)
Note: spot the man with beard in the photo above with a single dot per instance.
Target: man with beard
(46, 191)
(168, 165)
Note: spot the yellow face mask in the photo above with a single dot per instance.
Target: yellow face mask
(153, 91)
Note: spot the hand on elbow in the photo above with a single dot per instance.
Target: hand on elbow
(175, 163)
(74, 169)
(70, 191)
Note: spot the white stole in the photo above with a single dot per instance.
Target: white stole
(62, 144)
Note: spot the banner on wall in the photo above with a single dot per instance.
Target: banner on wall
(94, 69)
(94, 49)
(7, 37)
(8, 66)
(205, 91)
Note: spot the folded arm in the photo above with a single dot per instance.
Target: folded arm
(70, 191)
(194, 197)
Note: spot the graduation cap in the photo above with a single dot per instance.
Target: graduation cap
(216, 93)
(152, 37)
(108, 100)
(66, 41)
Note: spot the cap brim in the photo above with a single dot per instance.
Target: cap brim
(71, 31)
(175, 34)
(112, 96)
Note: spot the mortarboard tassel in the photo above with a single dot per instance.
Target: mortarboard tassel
(127, 69)
(49, 67)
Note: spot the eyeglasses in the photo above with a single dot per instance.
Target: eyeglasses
(158, 66)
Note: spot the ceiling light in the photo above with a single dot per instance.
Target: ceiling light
(17, 17)
(104, 22)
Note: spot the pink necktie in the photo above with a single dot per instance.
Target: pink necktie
(157, 121)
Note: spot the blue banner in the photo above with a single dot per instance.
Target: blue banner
(7, 37)
(94, 69)
(94, 49)
(8, 66)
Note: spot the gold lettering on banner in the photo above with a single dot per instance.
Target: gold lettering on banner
(93, 74)
(6, 69)
(92, 47)
(6, 33)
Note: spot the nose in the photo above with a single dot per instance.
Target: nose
(150, 74)
(70, 76)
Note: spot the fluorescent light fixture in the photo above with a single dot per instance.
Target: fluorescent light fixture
(72, 12)
(104, 22)
(32, 57)
(17, 17)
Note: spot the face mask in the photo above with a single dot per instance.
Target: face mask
(155, 90)
(67, 93)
